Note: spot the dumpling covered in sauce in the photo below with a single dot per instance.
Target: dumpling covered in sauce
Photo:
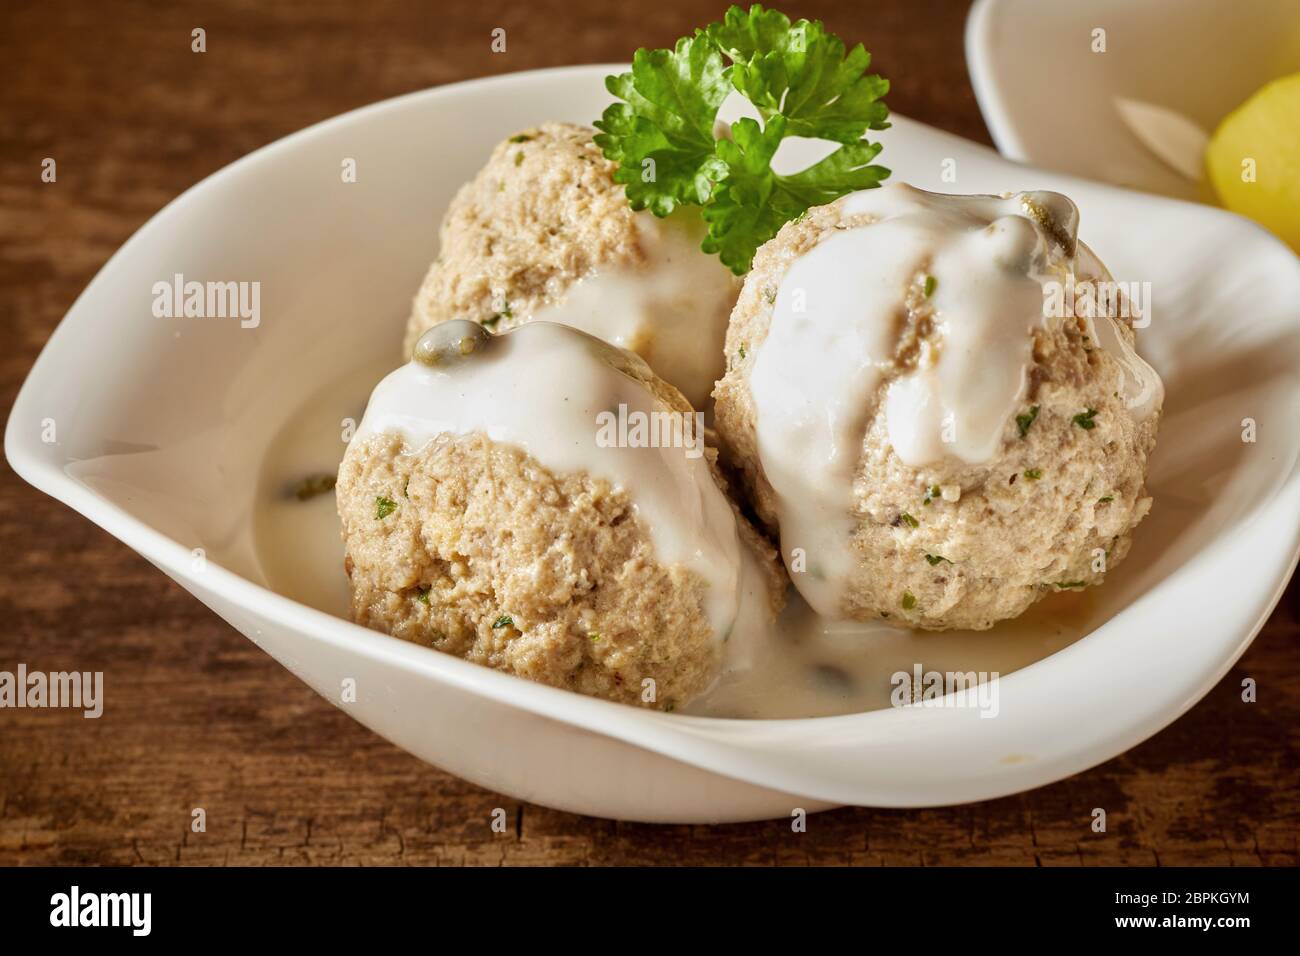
(544, 225)
(541, 503)
(935, 402)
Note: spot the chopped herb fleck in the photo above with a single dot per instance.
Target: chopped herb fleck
(595, 636)
(930, 283)
(934, 491)
(491, 324)
(520, 138)
(935, 559)
(1065, 585)
(519, 158)
(911, 522)
(505, 620)
(423, 596)
(1085, 419)
(1024, 421)
(1033, 474)
(384, 507)
(313, 485)
(1108, 498)
(909, 600)
(742, 351)
(406, 484)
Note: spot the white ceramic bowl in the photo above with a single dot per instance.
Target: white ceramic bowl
(1050, 100)
(162, 425)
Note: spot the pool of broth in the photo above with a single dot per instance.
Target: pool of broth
(811, 666)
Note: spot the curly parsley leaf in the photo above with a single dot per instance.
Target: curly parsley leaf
(661, 135)
(803, 82)
(803, 73)
(747, 207)
(752, 203)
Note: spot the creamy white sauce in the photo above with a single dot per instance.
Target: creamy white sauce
(298, 542)
(542, 388)
(806, 667)
(839, 310)
(671, 309)
(811, 666)
(1140, 384)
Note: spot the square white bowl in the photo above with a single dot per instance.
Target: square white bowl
(162, 426)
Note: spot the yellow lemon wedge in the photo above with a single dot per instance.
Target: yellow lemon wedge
(1253, 160)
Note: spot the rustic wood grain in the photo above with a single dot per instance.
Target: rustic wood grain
(198, 717)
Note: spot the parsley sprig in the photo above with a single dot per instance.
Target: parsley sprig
(802, 81)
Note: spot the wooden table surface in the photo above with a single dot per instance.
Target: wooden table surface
(199, 717)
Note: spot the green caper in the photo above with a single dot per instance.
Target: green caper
(450, 342)
(1055, 214)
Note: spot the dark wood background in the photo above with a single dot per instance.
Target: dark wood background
(198, 717)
